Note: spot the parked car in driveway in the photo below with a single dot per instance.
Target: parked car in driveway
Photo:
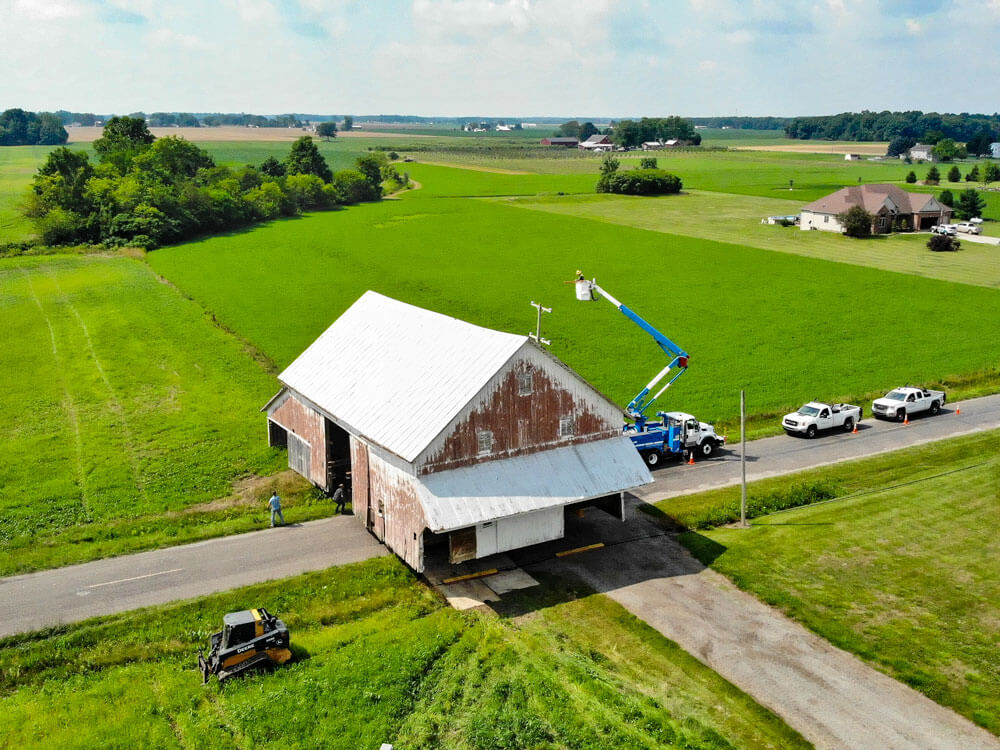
(969, 228)
(817, 415)
(948, 229)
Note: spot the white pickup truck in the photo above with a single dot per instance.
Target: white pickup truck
(901, 402)
(816, 416)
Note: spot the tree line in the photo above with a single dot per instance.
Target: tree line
(929, 127)
(20, 128)
(146, 192)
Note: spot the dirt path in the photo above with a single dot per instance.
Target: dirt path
(830, 696)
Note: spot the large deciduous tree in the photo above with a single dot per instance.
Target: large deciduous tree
(327, 130)
(305, 158)
(123, 139)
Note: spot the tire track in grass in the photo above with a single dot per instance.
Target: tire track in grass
(68, 404)
(116, 404)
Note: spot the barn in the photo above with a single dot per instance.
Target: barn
(454, 438)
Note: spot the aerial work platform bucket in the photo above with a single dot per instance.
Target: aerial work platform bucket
(584, 290)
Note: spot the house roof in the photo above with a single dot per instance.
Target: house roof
(872, 198)
(598, 138)
(489, 490)
(396, 374)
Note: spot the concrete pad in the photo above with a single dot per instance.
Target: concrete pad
(509, 580)
(467, 594)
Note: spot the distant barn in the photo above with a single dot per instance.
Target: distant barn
(451, 434)
(561, 141)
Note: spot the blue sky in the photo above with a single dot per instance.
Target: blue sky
(517, 58)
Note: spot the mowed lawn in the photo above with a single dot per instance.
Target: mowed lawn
(727, 217)
(378, 658)
(904, 573)
(785, 327)
(123, 403)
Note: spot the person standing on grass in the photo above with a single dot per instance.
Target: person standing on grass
(340, 498)
(274, 503)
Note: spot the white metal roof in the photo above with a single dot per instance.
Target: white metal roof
(397, 374)
(496, 489)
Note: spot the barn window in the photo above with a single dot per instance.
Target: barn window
(485, 442)
(565, 426)
(524, 383)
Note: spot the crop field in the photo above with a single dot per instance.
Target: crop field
(378, 659)
(736, 219)
(124, 406)
(902, 570)
(485, 261)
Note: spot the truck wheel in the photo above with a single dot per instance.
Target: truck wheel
(935, 407)
(652, 458)
(848, 425)
(901, 415)
(706, 449)
(811, 431)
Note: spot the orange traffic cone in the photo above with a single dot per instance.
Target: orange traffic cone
(906, 419)
(855, 430)
(691, 459)
(958, 410)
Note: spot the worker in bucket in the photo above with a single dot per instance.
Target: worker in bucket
(274, 503)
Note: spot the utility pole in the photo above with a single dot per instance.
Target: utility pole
(537, 335)
(743, 460)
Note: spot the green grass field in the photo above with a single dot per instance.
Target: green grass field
(127, 411)
(736, 219)
(902, 570)
(378, 659)
(485, 261)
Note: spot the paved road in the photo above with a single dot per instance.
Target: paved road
(116, 584)
(774, 456)
(831, 697)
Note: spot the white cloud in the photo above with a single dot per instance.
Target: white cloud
(708, 66)
(914, 26)
(47, 10)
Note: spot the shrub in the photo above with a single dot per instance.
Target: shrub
(856, 222)
(973, 175)
(640, 182)
(352, 187)
(761, 505)
(648, 162)
(911, 177)
(933, 176)
(942, 243)
(954, 174)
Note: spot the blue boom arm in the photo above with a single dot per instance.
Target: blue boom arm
(678, 358)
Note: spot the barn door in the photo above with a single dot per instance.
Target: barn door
(299, 455)
(462, 545)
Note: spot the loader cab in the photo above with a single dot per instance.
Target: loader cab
(240, 627)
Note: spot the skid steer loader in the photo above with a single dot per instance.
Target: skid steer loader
(249, 640)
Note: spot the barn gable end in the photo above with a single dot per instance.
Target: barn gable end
(533, 403)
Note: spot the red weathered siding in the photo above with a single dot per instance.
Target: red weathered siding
(300, 419)
(385, 500)
(523, 424)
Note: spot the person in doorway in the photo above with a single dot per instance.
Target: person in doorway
(274, 503)
(340, 497)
